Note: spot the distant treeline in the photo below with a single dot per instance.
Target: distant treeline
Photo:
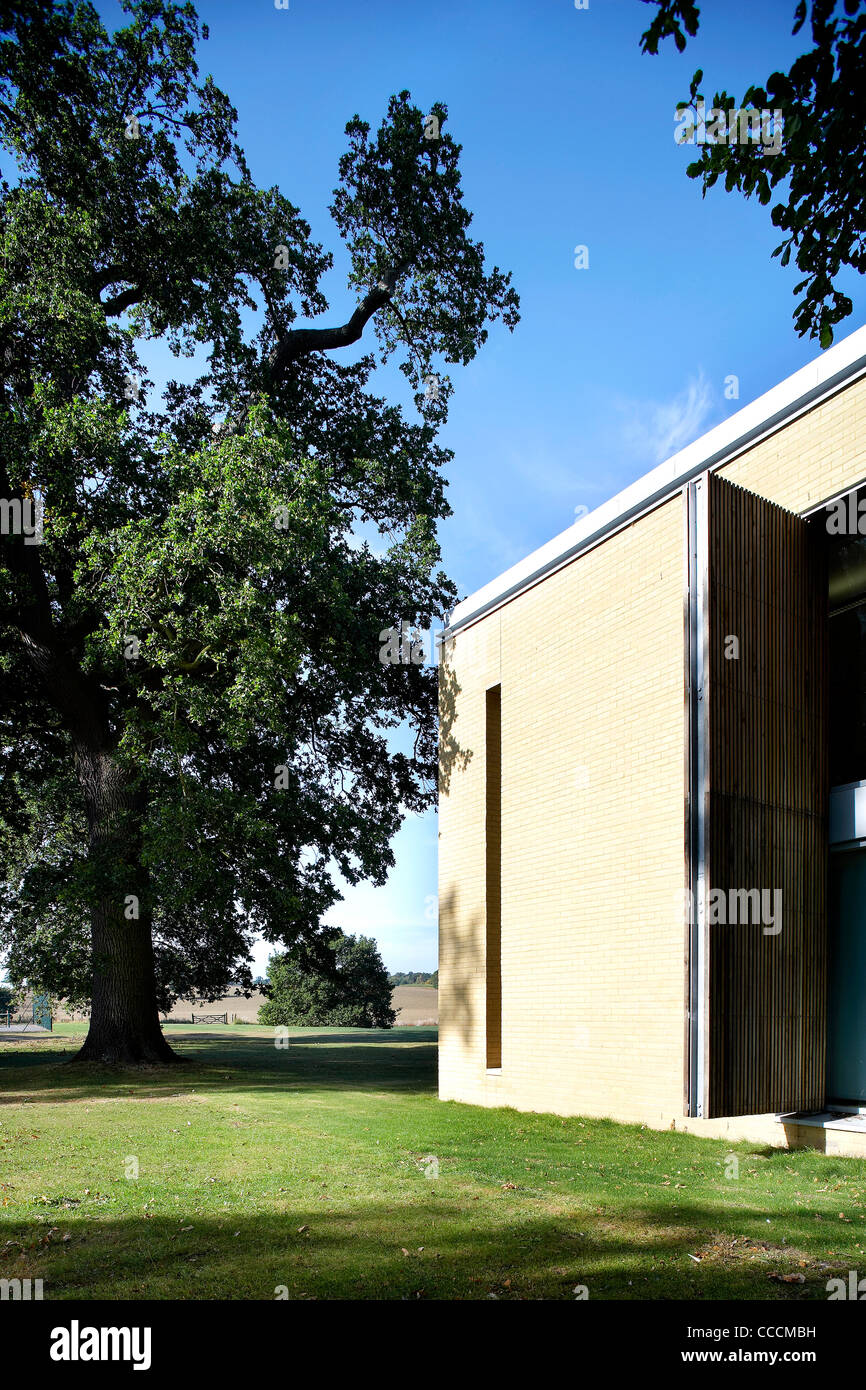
(415, 977)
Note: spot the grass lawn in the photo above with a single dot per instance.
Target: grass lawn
(308, 1168)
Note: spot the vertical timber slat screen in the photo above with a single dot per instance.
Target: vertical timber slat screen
(493, 867)
(766, 808)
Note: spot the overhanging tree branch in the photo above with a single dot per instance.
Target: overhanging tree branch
(119, 302)
(300, 341)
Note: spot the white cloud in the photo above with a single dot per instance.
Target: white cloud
(654, 430)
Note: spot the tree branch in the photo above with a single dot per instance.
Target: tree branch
(119, 302)
(300, 341)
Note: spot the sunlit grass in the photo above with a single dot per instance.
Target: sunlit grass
(314, 1168)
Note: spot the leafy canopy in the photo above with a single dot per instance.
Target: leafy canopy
(202, 617)
(818, 174)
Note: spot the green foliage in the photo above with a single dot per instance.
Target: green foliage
(344, 984)
(672, 18)
(198, 634)
(410, 173)
(415, 977)
(820, 167)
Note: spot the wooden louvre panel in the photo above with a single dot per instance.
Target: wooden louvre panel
(765, 799)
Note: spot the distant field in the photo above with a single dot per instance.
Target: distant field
(230, 1004)
(415, 1004)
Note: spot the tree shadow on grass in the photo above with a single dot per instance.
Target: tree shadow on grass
(365, 1037)
(335, 1063)
(434, 1245)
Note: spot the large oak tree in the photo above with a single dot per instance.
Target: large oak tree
(195, 726)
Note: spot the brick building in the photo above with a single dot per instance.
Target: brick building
(653, 795)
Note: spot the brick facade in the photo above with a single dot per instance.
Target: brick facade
(590, 663)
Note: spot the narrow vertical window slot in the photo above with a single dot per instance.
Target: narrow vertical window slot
(493, 851)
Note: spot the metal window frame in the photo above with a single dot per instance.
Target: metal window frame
(697, 790)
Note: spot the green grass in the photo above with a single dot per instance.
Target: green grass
(305, 1167)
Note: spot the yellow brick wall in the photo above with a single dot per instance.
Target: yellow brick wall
(813, 458)
(591, 667)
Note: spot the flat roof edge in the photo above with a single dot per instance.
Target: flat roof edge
(821, 378)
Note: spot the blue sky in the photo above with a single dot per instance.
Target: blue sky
(567, 134)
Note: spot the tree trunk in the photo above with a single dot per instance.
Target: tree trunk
(124, 1019)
